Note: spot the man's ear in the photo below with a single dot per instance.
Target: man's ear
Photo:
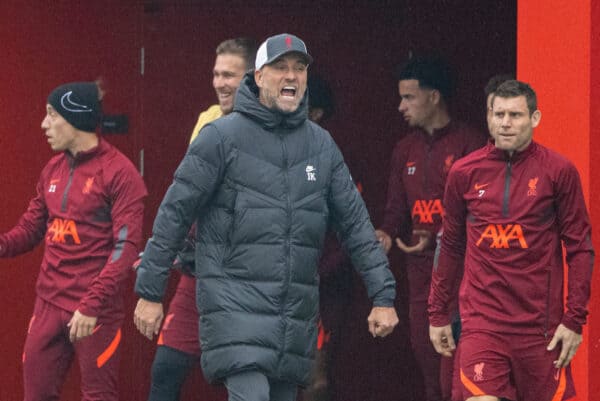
(258, 77)
(535, 118)
(436, 96)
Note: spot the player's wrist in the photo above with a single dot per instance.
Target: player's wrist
(571, 325)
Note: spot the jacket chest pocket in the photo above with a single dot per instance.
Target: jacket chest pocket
(256, 218)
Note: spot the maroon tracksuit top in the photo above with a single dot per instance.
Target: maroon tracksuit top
(507, 216)
(419, 166)
(89, 211)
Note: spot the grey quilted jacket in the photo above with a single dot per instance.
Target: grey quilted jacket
(262, 186)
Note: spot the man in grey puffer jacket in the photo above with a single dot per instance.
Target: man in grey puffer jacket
(262, 184)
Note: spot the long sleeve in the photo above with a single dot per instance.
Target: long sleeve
(575, 233)
(29, 230)
(195, 181)
(397, 211)
(449, 263)
(127, 197)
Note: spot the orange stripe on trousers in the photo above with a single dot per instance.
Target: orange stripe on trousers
(161, 339)
(476, 391)
(23, 356)
(30, 324)
(109, 351)
(562, 385)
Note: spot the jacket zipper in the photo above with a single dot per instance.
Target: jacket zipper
(547, 317)
(63, 205)
(427, 167)
(506, 200)
(505, 209)
(288, 205)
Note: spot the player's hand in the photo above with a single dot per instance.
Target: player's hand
(382, 321)
(569, 340)
(81, 326)
(421, 245)
(384, 239)
(148, 317)
(442, 339)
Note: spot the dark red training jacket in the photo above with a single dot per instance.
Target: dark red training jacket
(89, 211)
(507, 216)
(419, 167)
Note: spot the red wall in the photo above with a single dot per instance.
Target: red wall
(356, 47)
(561, 64)
(594, 193)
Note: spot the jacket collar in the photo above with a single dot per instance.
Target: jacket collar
(499, 154)
(88, 154)
(438, 132)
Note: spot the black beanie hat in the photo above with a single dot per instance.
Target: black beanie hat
(78, 103)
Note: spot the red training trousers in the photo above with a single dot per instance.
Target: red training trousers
(48, 353)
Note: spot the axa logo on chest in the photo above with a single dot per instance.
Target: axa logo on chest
(503, 236)
(426, 209)
(62, 228)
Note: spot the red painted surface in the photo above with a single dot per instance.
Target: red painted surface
(43, 46)
(594, 200)
(561, 64)
(355, 47)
